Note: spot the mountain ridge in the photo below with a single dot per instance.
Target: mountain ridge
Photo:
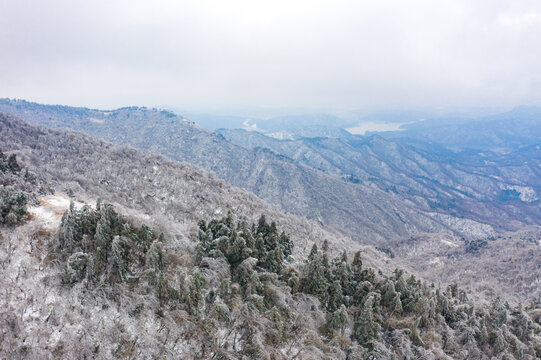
(366, 213)
(196, 290)
(467, 185)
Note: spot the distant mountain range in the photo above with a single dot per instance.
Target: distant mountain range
(503, 132)
(484, 186)
(173, 192)
(374, 189)
(125, 254)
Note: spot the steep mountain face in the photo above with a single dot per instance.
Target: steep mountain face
(497, 189)
(182, 193)
(95, 281)
(365, 212)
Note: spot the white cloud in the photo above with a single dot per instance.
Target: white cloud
(271, 53)
(520, 22)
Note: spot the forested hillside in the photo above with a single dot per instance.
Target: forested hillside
(497, 189)
(364, 211)
(270, 180)
(90, 168)
(101, 283)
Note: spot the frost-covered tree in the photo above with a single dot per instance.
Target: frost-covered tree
(366, 328)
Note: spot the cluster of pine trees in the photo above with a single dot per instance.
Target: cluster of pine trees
(237, 242)
(243, 294)
(387, 316)
(13, 192)
(99, 245)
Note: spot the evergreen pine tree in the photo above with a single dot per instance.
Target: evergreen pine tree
(357, 266)
(366, 328)
(314, 280)
(13, 165)
(334, 296)
(120, 251)
(339, 319)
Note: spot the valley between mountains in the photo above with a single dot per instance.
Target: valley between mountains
(126, 231)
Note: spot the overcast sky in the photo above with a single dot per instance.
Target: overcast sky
(310, 54)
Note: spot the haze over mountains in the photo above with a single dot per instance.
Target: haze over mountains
(436, 213)
(178, 192)
(470, 185)
(419, 200)
(505, 132)
(372, 188)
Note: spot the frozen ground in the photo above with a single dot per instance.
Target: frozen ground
(50, 211)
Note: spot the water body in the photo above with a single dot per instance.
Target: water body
(372, 126)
